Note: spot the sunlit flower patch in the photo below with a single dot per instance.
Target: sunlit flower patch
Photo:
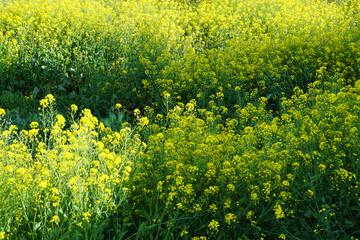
(229, 119)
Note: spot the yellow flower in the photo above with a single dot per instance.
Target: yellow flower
(231, 187)
(249, 214)
(72, 181)
(322, 167)
(127, 169)
(254, 196)
(118, 106)
(213, 207)
(144, 121)
(310, 193)
(290, 176)
(49, 99)
(197, 207)
(227, 203)
(34, 125)
(33, 132)
(55, 219)
(13, 129)
(282, 236)
(183, 232)
(86, 216)
(74, 108)
(230, 218)
(137, 112)
(295, 165)
(167, 96)
(2, 235)
(279, 213)
(285, 183)
(199, 238)
(43, 184)
(2, 113)
(214, 225)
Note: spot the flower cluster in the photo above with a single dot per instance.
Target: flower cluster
(63, 177)
(243, 119)
(255, 169)
(219, 50)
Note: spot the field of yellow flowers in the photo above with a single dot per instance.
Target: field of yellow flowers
(179, 119)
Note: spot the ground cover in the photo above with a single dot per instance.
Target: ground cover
(172, 119)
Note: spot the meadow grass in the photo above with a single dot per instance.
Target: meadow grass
(179, 119)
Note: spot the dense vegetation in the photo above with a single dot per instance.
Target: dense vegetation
(179, 119)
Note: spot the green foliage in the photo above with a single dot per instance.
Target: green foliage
(59, 183)
(135, 52)
(255, 176)
(238, 119)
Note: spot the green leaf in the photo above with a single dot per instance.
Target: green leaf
(37, 225)
(308, 213)
(245, 237)
(348, 224)
(61, 88)
(35, 92)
